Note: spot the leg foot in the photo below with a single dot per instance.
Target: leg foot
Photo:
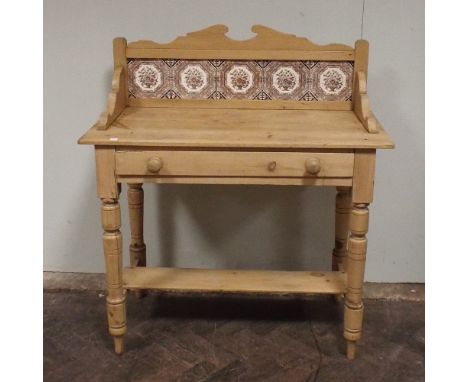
(118, 345)
(350, 349)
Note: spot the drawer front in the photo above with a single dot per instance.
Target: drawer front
(234, 163)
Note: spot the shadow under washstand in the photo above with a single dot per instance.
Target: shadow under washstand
(215, 306)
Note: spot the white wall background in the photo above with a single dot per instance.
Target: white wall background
(229, 226)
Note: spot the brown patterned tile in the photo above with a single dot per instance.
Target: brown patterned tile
(147, 78)
(193, 79)
(286, 80)
(240, 79)
(332, 81)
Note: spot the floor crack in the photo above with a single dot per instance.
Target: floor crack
(314, 376)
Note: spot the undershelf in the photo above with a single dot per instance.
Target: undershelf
(235, 281)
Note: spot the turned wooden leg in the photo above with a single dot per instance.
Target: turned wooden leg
(112, 242)
(357, 247)
(342, 213)
(135, 197)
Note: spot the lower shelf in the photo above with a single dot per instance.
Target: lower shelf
(235, 281)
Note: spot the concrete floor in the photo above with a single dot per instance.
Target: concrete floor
(235, 338)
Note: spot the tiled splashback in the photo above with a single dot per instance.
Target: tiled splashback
(254, 80)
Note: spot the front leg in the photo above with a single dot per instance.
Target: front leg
(362, 195)
(353, 309)
(112, 242)
(108, 192)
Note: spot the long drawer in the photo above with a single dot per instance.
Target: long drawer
(234, 163)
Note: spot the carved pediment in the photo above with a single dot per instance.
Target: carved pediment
(214, 37)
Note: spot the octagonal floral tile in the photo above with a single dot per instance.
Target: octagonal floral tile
(285, 80)
(146, 78)
(332, 81)
(239, 79)
(194, 79)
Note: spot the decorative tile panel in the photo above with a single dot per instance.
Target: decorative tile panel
(240, 79)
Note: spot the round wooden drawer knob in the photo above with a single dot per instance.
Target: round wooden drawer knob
(312, 165)
(154, 164)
